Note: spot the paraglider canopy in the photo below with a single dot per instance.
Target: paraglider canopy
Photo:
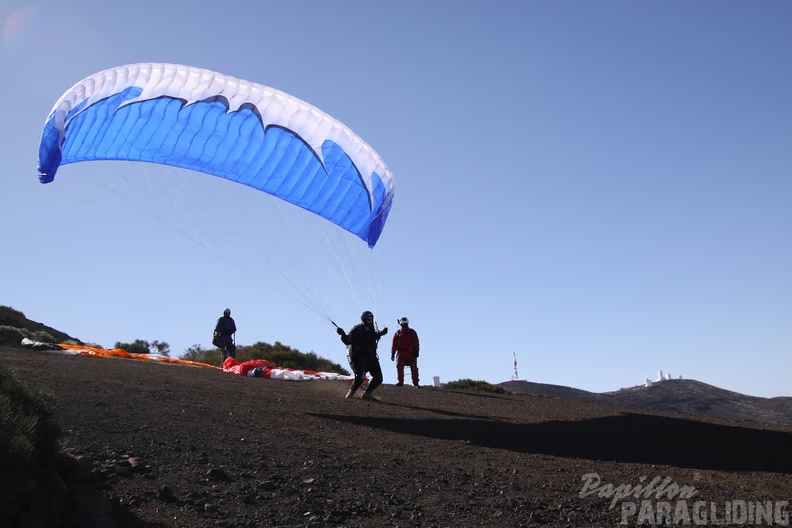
(213, 123)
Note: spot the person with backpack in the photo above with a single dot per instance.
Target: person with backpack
(224, 336)
(406, 345)
(362, 341)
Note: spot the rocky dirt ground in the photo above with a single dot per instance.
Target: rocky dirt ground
(176, 446)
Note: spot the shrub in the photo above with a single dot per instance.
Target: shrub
(10, 336)
(29, 434)
(213, 357)
(16, 319)
(11, 312)
(200, 354)
(287, 357)
(475, 386)
(141, 346)
(38, 335)
(193, 353)
(279, 354)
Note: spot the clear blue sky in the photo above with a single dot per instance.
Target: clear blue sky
(602, 188)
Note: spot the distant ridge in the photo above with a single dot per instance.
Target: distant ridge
(16, 319)
(683, 395)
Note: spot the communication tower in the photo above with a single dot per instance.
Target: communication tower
(515, 376)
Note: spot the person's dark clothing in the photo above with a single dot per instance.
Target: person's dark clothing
(226, 327)
(361, 342)
(361, 364)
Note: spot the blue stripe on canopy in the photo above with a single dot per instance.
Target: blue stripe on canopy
(205, 136)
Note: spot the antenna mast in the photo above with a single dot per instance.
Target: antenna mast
(515, 376)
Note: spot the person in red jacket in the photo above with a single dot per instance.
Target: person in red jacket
(405, 344)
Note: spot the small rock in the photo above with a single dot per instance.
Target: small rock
(268, 485)
(74, 466)
(217, 475)
(249, 499)
(166, 494)
(137, 464)
(123, 470)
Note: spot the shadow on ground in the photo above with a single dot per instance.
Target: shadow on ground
(627, 437)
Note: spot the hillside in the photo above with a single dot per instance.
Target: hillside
(178, 446)
(215, 449)
(16, 319)
(689, 396)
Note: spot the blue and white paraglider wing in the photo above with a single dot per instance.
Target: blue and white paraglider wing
(209, 122)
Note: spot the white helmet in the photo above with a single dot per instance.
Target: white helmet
(404, 321)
